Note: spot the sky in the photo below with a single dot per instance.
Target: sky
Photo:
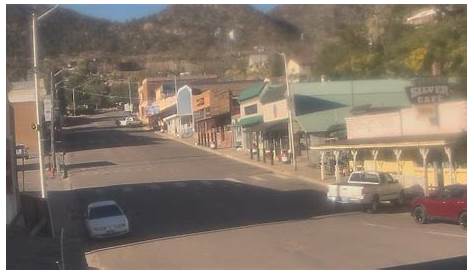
(126, 12)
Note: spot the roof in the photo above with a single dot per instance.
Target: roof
(272, 93)
(320, 121)
(322, 104)
(236, 87)
(102, 203)
(397, 141)
(24, 91)
(252, 91)
(251, 121)
(389, 92)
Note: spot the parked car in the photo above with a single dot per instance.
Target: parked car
(368, 189)
(449, 203)
(129, 121)
(21, 151)
(106, 219)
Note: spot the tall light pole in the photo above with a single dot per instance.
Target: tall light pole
(290, 105)
(39, 129)
(73, 102)
(130, 95)
(38, 119)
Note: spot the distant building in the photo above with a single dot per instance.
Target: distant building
(215, 107)
(257, 62)
(423, 17)
(298, 70)
(23, 101)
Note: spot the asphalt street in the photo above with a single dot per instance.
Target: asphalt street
(189, 209)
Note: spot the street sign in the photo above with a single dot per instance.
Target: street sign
(47, 109)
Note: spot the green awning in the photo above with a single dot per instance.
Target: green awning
(250, 121)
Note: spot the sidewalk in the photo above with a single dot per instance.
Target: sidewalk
(26, 252)
(304, 171)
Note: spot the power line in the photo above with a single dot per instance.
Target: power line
(104, 95)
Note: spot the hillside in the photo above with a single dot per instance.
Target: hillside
(342, 40)
(186, 32)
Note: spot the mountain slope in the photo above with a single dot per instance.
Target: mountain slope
(183, 31)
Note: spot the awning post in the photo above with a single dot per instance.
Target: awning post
(424, 154)
(375, 153)
(336, 167)
(354, 158)
(449, 153)
(398, 154)
(322, 153)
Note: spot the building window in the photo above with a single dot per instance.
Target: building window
(250, 109)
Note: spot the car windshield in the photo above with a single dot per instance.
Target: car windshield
(104, 211)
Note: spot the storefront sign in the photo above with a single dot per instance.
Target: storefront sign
(428, 94)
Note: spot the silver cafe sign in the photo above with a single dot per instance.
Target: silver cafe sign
(428, 94)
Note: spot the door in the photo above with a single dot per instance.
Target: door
(436, 204)
(393, 187)
(455, 202)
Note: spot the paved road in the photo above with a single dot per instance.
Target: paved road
(190, 209)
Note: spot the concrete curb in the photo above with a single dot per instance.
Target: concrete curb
(263, 166)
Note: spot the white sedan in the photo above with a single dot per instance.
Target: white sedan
(106, 219)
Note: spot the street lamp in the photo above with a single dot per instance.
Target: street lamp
(39, 130)
(290, 105)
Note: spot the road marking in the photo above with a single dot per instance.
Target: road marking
(381, 226)
(280, 176)
(232, 180)
(446, 234)
(257, 178)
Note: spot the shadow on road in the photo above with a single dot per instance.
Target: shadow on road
(159, 210)
(106, 138)
(165, 209)
(455, 263)
(90, 165)
(28, 167)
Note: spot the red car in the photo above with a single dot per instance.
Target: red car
(449, 203)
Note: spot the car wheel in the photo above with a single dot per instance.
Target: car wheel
(374, 205)
(419, 214)
(463, 220)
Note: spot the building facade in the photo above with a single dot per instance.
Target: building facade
(23, 101)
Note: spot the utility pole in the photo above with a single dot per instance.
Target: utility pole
(53, 150)
(290, 115)
(73, 102)
(130, 96)
(39, 129)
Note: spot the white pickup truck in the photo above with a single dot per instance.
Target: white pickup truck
(129, 121)
(368, 189)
